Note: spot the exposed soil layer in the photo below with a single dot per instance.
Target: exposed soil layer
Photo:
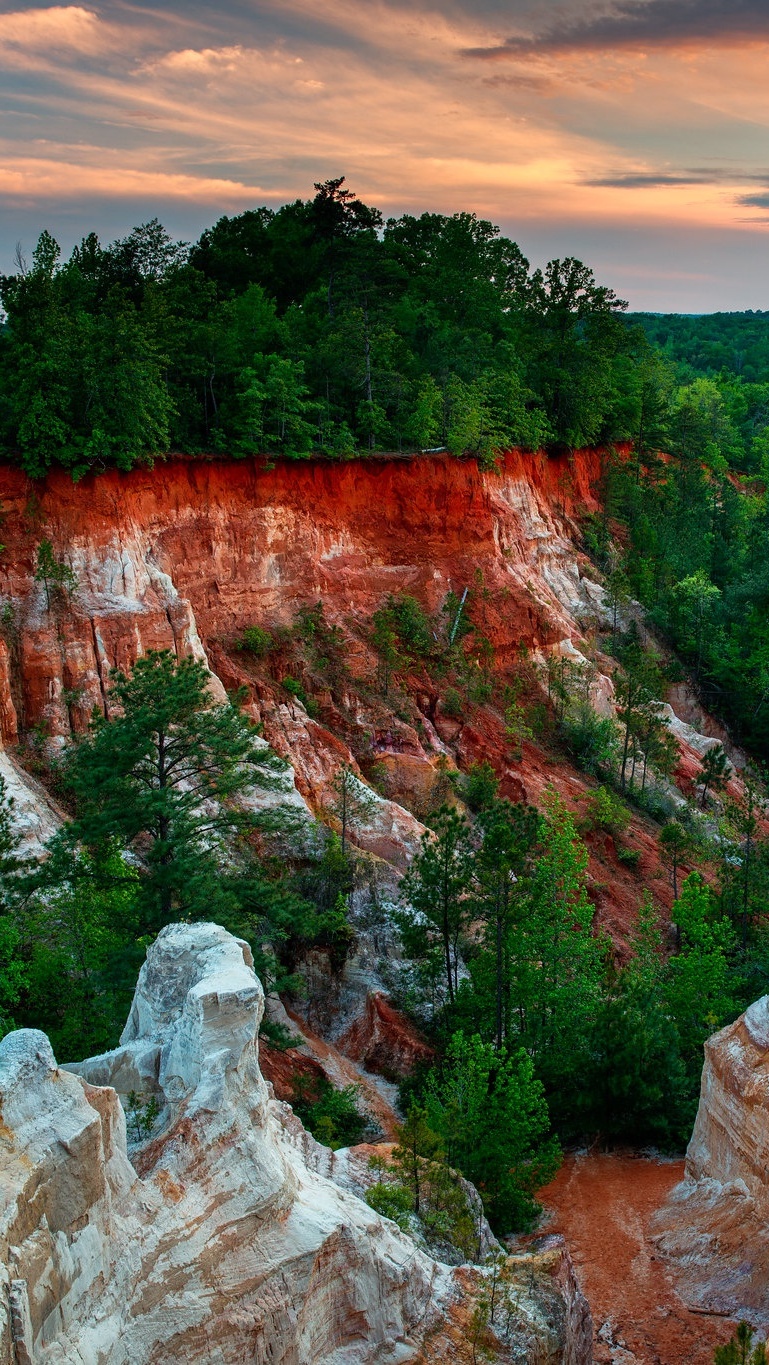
(603, 1205)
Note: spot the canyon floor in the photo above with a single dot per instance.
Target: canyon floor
(603, 1204)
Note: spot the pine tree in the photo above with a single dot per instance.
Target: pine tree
(165, 776)
(715, 771)
(435, 890)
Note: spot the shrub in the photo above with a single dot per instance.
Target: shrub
(608, 811)
(256, 641)
(296, 689)
(591, 739)
(453, 703)
(479, 788)
(629, 857)
(392, 1201)
(332, 1116)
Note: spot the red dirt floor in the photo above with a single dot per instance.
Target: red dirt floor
(603, 1205)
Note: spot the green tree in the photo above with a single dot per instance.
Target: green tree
(639, 1084)
(56, 576)
(715, 771)
(739, 1350)
(510, 833)
(165, 776)
(82, 949)
(744, 814)
(13, 970)
(352, 802)
(675, 842)
(557, 965)
(700, 982)
(416, 1148)
(435, 890)
(491, 1112)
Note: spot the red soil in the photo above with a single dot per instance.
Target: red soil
(603, 1206)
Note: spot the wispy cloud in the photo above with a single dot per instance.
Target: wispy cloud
(661, 131)
(642, 23)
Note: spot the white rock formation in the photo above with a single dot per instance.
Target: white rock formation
(715, 1227)
(228, 1242)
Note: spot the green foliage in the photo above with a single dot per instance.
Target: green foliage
(739, 1350)
(716, 771)
(278, 1035)
(13, 971)
(256, 641)
(82, 948)
(606, 810)
(435, 891)
(56, 576)
(162, 776)
(392, 1201)
(490, 1110)
(141, 1115)
(639, 1085)
(420, 1191)
(352, 802)
(480, 786)
(332, 1116)
(316, 327)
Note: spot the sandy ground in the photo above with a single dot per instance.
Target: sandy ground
(603, 1205)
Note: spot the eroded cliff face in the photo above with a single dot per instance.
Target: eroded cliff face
(233, 1236)
(189, 554)
(714, 1230)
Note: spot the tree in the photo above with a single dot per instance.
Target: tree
(675, 843)
(639, 1083)
(744, 813)
(490, 1110)
(633, 700)
(556, 964)
(435, 890)
(57, 577)
(351, 800)
(166, 776)
(715, 772)
(510, 833)
(416, 1148)
(338, 217)
(739, 1350)
(700, 987)
(12, 868)
(82, 949)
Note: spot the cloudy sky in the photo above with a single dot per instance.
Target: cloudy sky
(632, 133)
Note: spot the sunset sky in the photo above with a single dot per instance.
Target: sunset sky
(632, 133)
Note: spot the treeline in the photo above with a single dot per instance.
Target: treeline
(316, 327)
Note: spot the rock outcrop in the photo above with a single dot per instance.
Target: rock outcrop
(231, 1237)
(714, 1230)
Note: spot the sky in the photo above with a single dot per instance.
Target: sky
(631, 133)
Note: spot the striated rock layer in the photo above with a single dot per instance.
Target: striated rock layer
(231, 1237)
(714, 1229)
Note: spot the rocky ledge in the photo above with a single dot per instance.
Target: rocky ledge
(714, 1229)
(229, 1236)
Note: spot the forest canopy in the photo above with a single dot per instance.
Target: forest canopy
(318, 327)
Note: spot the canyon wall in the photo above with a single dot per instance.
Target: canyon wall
(233, 1236)
(714, 1230)
(188, 554)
